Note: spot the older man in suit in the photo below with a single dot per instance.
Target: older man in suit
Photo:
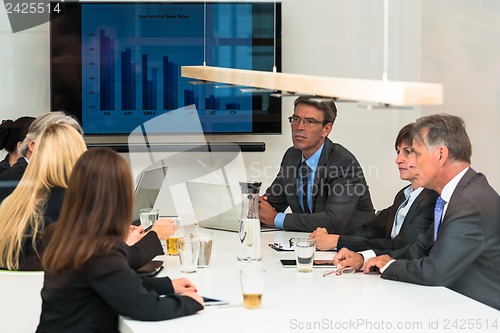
(462, 251)
(399, 225)
(321, 181)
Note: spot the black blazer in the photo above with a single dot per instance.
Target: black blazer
(9, 179)
(466, 255)
(138, 254)
(90, 299)
(341, 198)
(30, 258)
(4, 164)
(376, 235)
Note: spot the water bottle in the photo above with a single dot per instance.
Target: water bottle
(249, 249)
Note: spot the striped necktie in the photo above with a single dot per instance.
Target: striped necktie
(304, 171)
(438, 214)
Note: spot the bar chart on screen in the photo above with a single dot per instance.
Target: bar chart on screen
(132, 59)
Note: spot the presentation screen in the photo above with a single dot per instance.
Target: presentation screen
(116, 65)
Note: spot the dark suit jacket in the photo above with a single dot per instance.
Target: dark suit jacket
(466, 255)
(4, 164)
(30, 257)
(9, 179)
(90, 299)
(376, 235)
(138, 255)
(340, 199)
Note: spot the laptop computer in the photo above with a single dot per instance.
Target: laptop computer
(216, 208)
(147, 194)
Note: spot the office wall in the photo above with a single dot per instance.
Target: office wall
(461, 50)
(447, 41)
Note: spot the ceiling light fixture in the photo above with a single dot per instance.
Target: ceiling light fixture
(385, 92)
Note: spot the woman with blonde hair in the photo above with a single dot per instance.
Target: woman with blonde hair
(88, 281)
(11, 177)
(35, 202)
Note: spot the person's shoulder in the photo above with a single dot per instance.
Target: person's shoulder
(57, 191)
(339, 153)
(292, 153)
(428, 193)
(475, 184)
(113, 260)
(339, 149)
(4, 164)
(56, 195)
(21, 163)
(427, 198)
(13, 173)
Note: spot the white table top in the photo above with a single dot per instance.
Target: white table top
(309, 302)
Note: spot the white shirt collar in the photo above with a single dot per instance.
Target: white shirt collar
(449, 188)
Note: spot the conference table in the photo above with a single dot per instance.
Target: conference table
(308, 302)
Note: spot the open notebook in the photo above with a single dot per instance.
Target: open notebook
(215, 207)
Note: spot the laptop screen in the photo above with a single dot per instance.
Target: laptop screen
(147, 189)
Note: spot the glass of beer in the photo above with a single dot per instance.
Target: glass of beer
(172, 249)
(252, 285)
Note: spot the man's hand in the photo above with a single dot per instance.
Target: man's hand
(347, 258)
(267, 213)
(324, 241)
(164, 228)
(375, 264)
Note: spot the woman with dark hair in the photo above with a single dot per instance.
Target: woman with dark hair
(88, 281)
(12, 134)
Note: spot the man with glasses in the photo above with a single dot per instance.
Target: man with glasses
(462, 250)
(321, 181)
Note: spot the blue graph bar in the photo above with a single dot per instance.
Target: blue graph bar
(170, 84)
(126, 82)
(175, 88)
(111, 73)
(233, 106)
(168, 80)
(145, 97)
(107, 72)
(188, 97)
(153, 92)
(133, 97)
(212, 103)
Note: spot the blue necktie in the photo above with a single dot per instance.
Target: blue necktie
(438, 213)
(304, 170)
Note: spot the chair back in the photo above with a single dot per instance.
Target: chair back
(20, 301)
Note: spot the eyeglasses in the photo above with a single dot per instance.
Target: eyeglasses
(338, 272)
(294, 120)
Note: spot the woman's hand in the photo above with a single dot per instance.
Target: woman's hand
(194, 296)
(183, 285)
(164, 228)
(134, 235)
